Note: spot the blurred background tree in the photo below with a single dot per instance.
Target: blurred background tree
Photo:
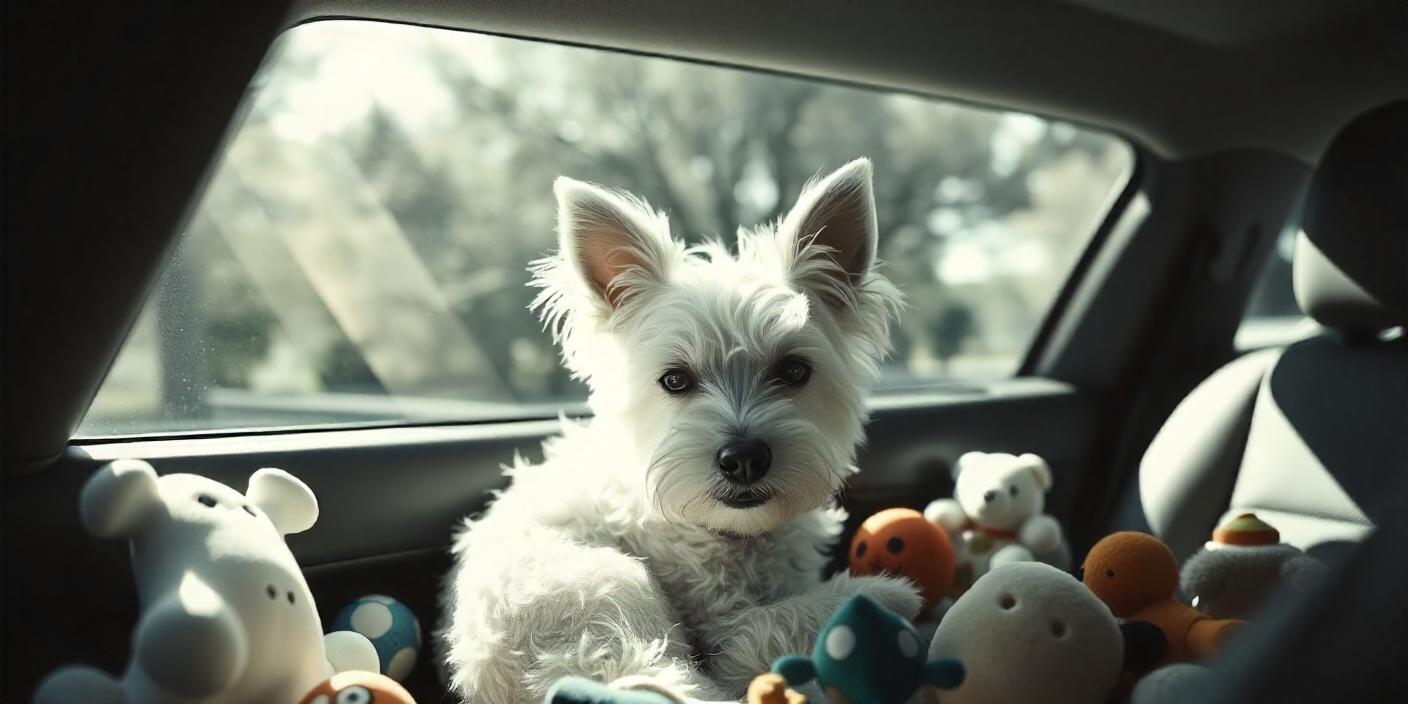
(444, 145)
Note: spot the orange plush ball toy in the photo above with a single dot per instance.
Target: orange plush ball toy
(356, 687)
(901, 542)
(1135, 574)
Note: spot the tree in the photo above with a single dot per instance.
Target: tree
(954, 325)
(715, 148)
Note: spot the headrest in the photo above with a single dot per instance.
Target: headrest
(1351, 259)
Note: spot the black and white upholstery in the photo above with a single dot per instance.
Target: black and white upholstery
(1312, 437)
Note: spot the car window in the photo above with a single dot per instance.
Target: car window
(359, 253)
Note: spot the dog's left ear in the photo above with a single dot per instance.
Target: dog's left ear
(834, 229)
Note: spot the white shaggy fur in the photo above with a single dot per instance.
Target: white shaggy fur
(617, 557)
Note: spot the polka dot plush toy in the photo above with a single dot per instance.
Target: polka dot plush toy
(866, 654)
(390, 626)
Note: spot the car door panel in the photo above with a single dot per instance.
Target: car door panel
(391, 498)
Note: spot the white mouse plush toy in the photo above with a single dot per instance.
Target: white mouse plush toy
(996, 515)
(1028, 633)
(226, 615)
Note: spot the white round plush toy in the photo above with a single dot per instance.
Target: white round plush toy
(996, 515)
(1028, 633)
(226, 615)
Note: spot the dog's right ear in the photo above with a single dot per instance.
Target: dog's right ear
(613, 241)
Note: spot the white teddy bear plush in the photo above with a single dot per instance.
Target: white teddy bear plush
(995, 517)
(226, 615)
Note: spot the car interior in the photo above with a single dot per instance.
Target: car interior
(1247, 147)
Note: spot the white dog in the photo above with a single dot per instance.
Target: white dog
(675, 541)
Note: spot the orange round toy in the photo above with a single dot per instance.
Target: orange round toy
(357, 687)
(1135, 574)
(901, 542)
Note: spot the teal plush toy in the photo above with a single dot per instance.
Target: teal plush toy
(869, 655)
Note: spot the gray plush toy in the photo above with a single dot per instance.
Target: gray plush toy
(1028, 633)
(1243, 563)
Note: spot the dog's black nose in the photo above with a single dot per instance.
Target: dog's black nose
(988, 496)
(745, 461)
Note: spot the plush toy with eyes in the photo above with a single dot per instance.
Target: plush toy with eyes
(226, 615)
(358, 688)
(866, 654)
(1136, 575)
(900, 542)
(1028, 633)
(1243, 564)
(996, 515)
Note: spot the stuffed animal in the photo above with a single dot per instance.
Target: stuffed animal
(357, 687)
(866, 654)
(226, 615)
(899, 541)
(995, 516)
(1243, 563)
(1028, 633)
(390, 626)
(1179, 683)
(1136, 575)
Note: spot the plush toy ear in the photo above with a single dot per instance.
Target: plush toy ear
(119, 498)
(1144, 645)
(287, 501)
(966, 461)
(1036, 465)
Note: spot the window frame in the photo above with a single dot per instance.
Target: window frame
(1102, 222)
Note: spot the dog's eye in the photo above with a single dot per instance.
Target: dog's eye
(1012, 490)
(677, 381)
(207, 500)
(793, 372)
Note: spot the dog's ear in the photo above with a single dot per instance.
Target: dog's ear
(613, 241)
(834, 230)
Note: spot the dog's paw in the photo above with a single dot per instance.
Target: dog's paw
(894, 593)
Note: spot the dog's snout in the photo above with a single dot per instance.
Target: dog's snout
(988, 496)
(745, 461)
